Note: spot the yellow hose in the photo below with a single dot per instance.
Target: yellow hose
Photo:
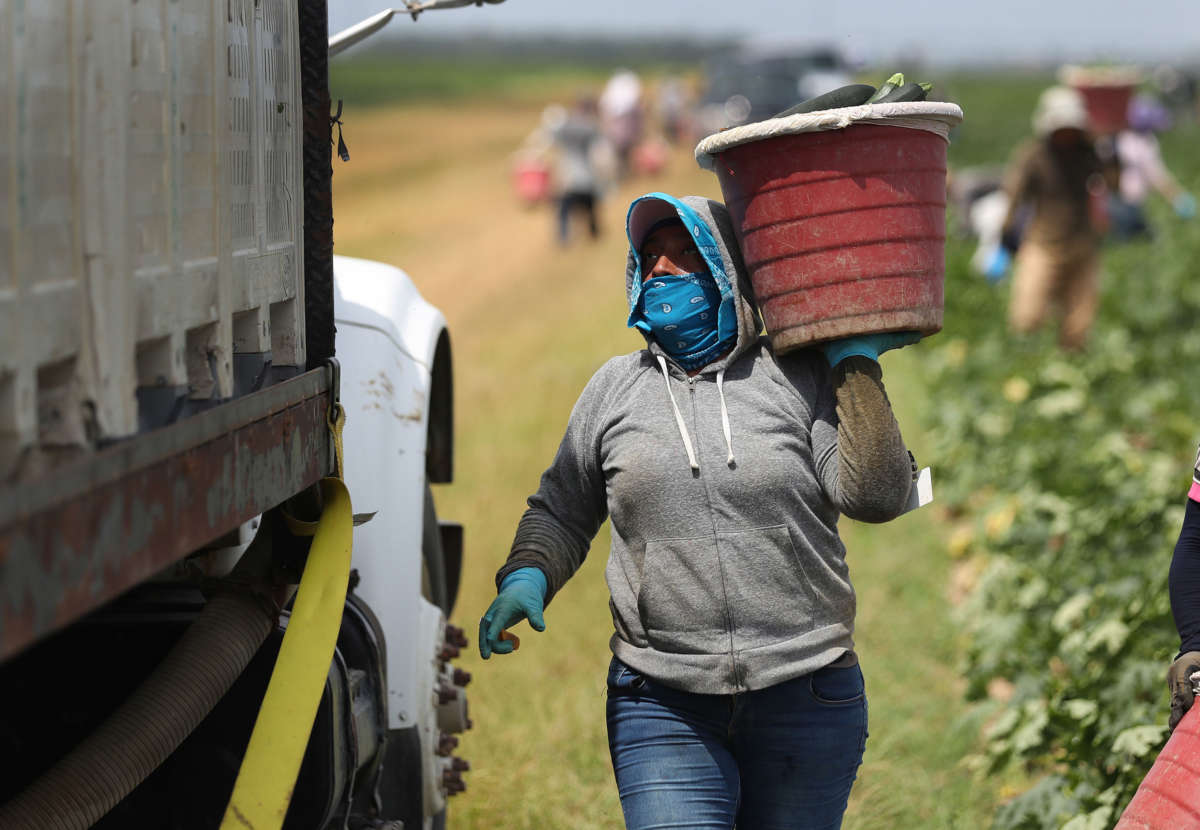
(268, 773)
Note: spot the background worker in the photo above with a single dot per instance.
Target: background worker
(1143, 170)
(583, 167)
(622, 116)
(1059, 176)
(1184, 586)
(734, 692)
(673, 105)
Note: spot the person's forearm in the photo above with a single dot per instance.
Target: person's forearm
(1169, 188)
(1184, 580)
(874, 468)
(542, 542)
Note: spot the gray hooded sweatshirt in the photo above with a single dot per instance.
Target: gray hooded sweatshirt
(726, 570)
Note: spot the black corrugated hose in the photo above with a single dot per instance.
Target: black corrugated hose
(85, 784)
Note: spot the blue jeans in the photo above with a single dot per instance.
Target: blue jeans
(781, 757)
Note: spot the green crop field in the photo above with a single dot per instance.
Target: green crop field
(428, 188)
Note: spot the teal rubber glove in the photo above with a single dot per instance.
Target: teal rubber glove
(867, 345)
(1185, 206)
(522, 596)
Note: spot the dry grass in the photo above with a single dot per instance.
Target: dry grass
(428, 189)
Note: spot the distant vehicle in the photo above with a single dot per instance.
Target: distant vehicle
(758, 80)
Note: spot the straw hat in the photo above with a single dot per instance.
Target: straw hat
(1059, 108)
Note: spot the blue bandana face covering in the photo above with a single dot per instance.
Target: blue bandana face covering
(680, 310)
(693, 333)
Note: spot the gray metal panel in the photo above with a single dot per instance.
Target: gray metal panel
(150, 215)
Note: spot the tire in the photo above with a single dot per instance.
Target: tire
(400, 790)
(318, 182)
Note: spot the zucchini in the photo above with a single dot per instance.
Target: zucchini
(844, 96)
(908, 92)
(891, 83)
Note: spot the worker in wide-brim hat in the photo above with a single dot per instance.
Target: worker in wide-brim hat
(1058, 177)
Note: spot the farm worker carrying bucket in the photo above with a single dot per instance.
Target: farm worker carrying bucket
(724, 467)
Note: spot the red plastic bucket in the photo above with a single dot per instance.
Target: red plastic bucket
(1169, 796)
(1107, 106)
(1106, 93)
(531, 180)
(650, 157)
(842, 231)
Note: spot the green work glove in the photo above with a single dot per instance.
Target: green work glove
(1179, 681)
(522, 596)
(867, 345)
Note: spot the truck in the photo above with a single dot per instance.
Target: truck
(197, 630)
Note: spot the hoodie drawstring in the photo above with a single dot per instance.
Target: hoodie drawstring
(683, 433)
(724, 414)
(687, 441)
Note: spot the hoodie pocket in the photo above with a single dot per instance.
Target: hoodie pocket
(770, 596)
(681, 601)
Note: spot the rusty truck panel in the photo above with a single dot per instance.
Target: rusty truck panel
(109, 521)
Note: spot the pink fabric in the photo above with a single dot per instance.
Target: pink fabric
(1142, 168)
(1194, 493)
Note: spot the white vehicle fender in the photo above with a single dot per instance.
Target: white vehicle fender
(389, 340)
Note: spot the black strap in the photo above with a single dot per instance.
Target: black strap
(342, 151)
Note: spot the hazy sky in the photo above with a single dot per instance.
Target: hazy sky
(949, 30)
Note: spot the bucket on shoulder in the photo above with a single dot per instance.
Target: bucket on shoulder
(840, 216)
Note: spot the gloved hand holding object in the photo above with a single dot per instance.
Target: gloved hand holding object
(1179, 681)
(867, 345)
(522, 596)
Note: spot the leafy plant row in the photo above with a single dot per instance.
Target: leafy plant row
(1065, 478)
